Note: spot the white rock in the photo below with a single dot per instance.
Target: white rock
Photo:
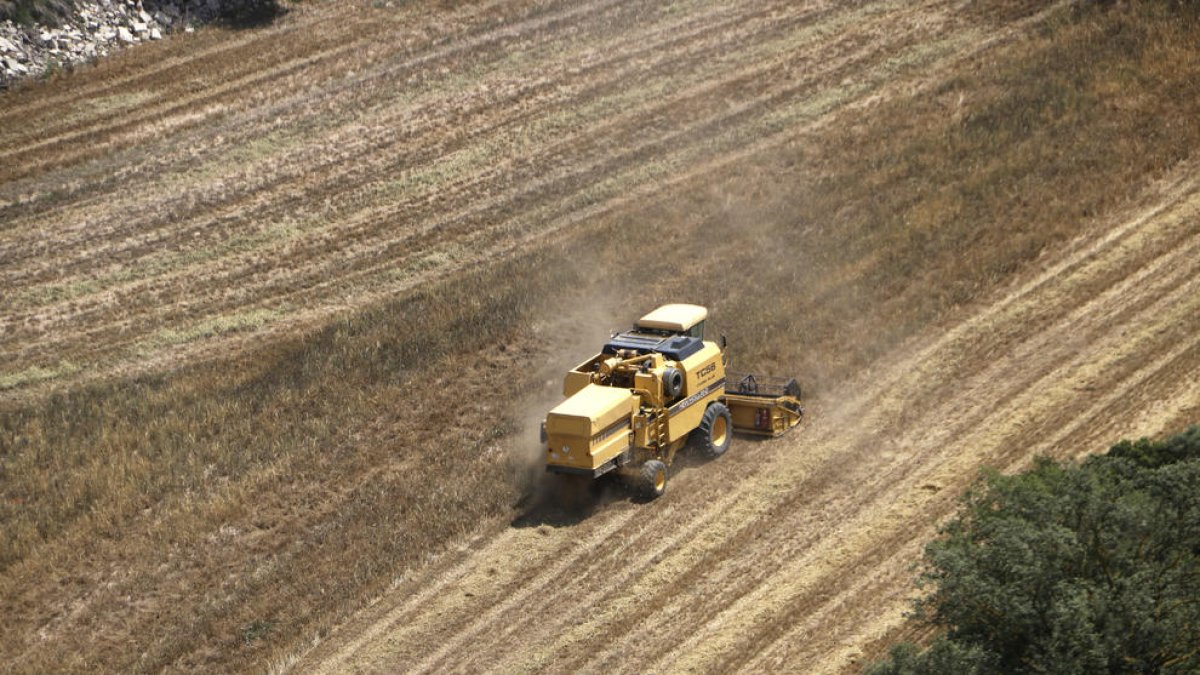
(124, 36)
(7, 47)
(155, 34)
(143, 16)
(189, 29)
(139, 27)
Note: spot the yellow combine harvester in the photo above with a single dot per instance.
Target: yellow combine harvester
(654, 389)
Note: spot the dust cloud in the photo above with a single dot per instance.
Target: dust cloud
(568, 332)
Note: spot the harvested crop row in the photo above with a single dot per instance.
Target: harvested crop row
(243, 274)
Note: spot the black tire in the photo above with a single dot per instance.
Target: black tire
(672, 383)
(712, 437)
(652, 479)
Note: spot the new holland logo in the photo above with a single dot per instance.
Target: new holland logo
(687, 402)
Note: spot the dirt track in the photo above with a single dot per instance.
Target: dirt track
(796, 554)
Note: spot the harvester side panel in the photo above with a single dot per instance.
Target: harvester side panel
(685, 416)
(704, 382)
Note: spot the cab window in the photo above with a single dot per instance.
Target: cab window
(697, 331)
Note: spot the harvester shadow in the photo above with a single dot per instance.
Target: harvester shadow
(564, 501)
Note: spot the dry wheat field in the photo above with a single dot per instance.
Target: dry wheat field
(280, 308)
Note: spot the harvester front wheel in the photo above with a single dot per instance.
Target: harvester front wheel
(652, 479)
(715, 430)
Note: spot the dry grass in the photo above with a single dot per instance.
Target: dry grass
(922, 204)
(344, 448)
(221, 516)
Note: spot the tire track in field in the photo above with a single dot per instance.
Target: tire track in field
(173, 99)
(363, 247)
(86, 88)
(429, 150)
(1146, 272)
(194, 350)
(330, 86)
(910, 386)
(985, 434)
(379, 139)
(94, 335)
(292, 57)
(153, 359)
(118, 209)
(334, 50)
(1142, 385)
(764, 558)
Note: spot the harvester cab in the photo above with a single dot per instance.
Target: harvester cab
(651, 391)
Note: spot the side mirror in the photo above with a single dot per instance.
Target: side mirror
(722, 342)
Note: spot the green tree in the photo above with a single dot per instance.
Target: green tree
(1065, 568)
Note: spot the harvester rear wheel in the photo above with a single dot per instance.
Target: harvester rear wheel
(652, 479)
(715, 430)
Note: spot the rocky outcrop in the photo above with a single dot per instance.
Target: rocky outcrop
(97, 27)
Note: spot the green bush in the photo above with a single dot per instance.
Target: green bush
(1088, 568)
(943, 656)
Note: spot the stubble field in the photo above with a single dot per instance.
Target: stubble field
(280, 306)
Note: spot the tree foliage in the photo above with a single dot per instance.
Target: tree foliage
(1070, 568)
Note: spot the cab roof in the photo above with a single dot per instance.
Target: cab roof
(679, 318)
